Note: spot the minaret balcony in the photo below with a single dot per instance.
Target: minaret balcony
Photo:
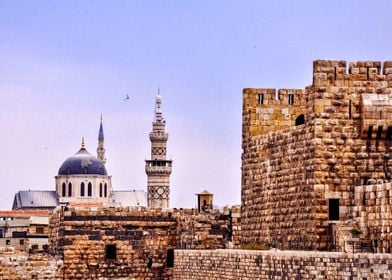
(158, 166)
(159, 136)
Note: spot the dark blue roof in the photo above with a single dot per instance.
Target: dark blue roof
(82, 163)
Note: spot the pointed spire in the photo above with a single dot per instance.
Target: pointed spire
(158, 108)
(100, 134)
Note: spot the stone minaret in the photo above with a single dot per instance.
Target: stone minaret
(101, 149)
(158, 169)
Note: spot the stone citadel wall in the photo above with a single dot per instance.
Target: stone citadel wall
(119, 242)
(346, 136)
(249, 265)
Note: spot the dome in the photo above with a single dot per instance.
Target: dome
(82, 163)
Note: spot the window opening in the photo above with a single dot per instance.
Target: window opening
(90, 189)
(261, 99)
(291, 99)
(106, 190)
(69, 189)
(82, 189)
(63, 193)
(39, 230)
(21, 242)
(170, 258)
(300, 120)
(110, 252)
(389, 133)
(379, 131)
(100, 189)
(370, 131)
(333, 209)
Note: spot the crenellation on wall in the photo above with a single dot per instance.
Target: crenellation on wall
(290, 174)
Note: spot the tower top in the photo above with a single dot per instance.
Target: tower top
(83, 145)
(100, 134)
(158, 108)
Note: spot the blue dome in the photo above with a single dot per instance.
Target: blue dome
(82, 163)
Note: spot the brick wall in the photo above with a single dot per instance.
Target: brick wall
(248, 265)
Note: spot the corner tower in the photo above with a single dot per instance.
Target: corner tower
(101, 149)
(158, 168)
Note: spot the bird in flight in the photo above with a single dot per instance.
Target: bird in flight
(126, 98)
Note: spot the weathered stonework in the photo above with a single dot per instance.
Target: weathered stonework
(342, 140)
(144, 239)
(249, 265)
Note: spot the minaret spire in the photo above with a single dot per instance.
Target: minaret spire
(101, 140)
(158, 168)
(158, 108)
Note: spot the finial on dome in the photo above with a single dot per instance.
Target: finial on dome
(83, 146)
(101, 117)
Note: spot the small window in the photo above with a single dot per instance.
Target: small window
(7, 242)
(82, 189)
(170, 258)
(69, 189)
(21, 242)
(291, 99)
(100, 190)
(106, 190)
(39, 230)
(110, 252)
(260, 99)
(90, 189)
(63, 190)
(149, 263)
(300, 120)
(333, 207)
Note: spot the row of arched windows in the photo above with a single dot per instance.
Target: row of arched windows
(64, 189)
(103, 189)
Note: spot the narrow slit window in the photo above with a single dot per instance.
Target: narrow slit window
(89, 189)
(261, 99)
(333, 209)
(291, 99)
(69, 189)
(82, 189)
(63, 193)
(100, 190)
(379, 131)
(369, 133)
(106, 190)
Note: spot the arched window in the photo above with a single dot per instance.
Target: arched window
(63, 190)
(69, 189)
(90, 189)
(300, 120)
(106, 190)
(100, 189)
(82, 189)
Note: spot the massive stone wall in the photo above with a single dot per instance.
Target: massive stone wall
(372, 212)
(119, 242)
(248, 265)
(16, 266)
(345, 142)
(279, 203)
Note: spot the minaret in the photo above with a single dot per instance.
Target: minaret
(101, 149)
(158, 169)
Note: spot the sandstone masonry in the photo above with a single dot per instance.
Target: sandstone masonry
(305, 151)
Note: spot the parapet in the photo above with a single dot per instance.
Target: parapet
(328, 71)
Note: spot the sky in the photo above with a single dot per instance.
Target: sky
(63, 63)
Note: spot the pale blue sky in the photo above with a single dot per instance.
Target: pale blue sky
(65, 62)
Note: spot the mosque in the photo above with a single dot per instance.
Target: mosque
(82, 179)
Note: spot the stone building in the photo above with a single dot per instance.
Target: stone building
(158, 168)
(310, 155)
(81, 179)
